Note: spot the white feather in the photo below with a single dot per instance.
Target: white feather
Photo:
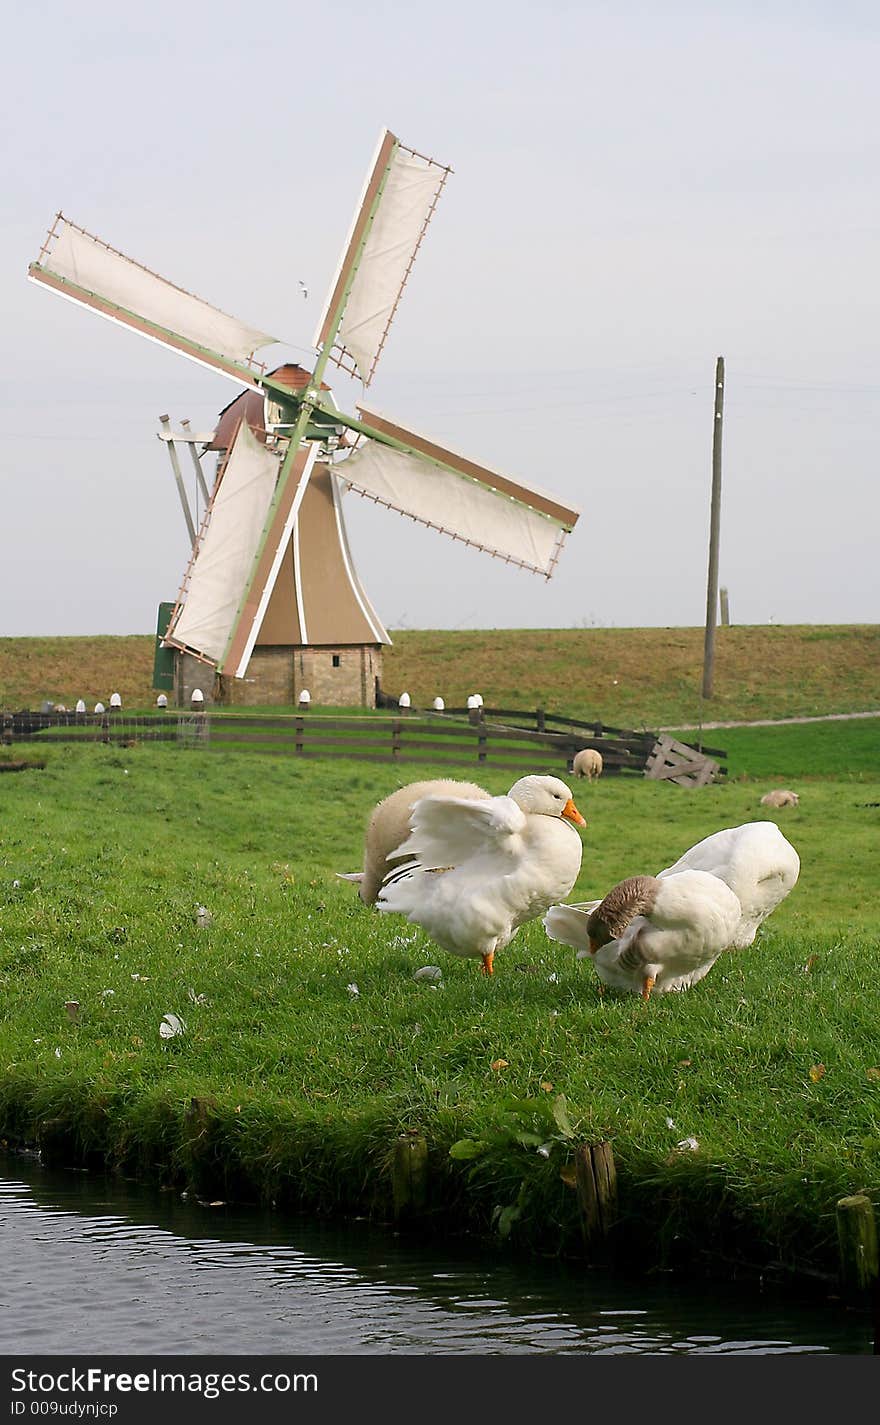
(568, 924)
(755, 860)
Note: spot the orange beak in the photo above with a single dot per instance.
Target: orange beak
(571, 813)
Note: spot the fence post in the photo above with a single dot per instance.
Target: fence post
(539, 719)
(299, 726)
(482, 737)
(396, 729)
(7, 728)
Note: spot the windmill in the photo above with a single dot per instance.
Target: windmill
(271, 570)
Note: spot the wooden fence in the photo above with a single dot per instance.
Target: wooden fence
(445, 740)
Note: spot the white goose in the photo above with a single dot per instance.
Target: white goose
(481, 869)
(652, 933)
(755, 860)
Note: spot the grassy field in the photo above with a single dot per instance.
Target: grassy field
(309, 1047)
(635, 678)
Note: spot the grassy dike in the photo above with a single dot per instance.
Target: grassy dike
(626, 677)
(291, 1088)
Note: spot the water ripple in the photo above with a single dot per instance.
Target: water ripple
(161, 1276)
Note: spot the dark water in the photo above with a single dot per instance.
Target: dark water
(95, 1265)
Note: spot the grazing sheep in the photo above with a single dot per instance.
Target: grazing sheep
(780, 797)
(389, 827)
(587, 763)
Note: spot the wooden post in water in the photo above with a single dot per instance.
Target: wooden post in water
(714, 532)
(857, 1240)
(409, 1175)
(596, 1183)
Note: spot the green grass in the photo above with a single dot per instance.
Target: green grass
(302, 1087)
(848, 751)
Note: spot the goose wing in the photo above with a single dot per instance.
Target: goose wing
(445, 831)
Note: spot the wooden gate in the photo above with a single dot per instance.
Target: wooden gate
(673, 761)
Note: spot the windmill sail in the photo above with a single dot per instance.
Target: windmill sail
(397, 203)
(446, 491)
(81, 267)
(226, 549)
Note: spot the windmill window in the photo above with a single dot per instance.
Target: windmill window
(335, 660)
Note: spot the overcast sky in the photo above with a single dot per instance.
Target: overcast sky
(638, 189)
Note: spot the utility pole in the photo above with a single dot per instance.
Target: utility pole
(714, 531)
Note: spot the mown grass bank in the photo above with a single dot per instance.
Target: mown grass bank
(290, 1087)
(625, 677)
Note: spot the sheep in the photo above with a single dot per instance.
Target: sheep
(780, 797)
(587, 763)
(388, 827)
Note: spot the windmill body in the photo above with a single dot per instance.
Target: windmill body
(270, 602)
(319, 630)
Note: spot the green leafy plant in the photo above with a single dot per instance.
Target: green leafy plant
(538, 1125)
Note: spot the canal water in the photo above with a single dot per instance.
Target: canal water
(98, 1265)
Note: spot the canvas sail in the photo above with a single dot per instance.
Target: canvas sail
(458, 497)
(407, 187)
(227, 549)
(82, 267)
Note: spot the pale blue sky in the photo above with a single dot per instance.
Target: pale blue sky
(637, 190)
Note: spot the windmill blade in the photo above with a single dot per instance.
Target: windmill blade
(79, 266)
(448, 492)
(205, 613)
(294, 476)
(232, 574)
(397, 203)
